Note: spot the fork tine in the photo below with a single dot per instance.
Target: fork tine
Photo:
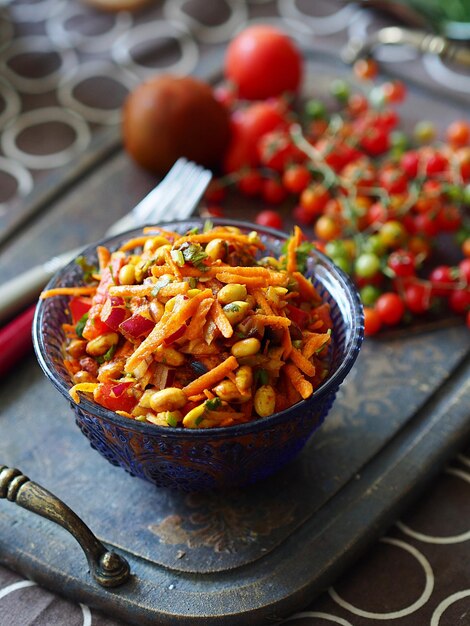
(156, 206)
(162, 211)
(184, 206)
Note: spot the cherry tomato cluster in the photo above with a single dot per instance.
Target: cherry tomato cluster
(378, 200)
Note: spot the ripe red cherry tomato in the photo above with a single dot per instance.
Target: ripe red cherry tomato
(263, 62)
(442, 278)
(248, 126)
(418, 298)
(458, 133)
(402, 262)
(390, 308)
(372, 321)
(269, 218)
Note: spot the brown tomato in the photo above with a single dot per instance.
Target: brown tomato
(169, 117)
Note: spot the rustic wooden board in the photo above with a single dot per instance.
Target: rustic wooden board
(246, 556)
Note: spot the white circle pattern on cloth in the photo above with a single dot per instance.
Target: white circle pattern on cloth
(44, 116)
(92, 70)
(238, 16)
(123, 47)
(461, 537)
(63, 35)
(421, 601)
(37, 45)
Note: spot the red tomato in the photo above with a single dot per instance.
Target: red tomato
(418, 297)
(251, 183)
(277, 150)
(78, 306)
(269, 218)
(409, 163)
(263, 62)
(464, 270)
(458, 133)
(372, 321)
(394, 91)
(296, 178)
(273, 192)
(390, 308)
(115, 396)
(459, 300)
(393, 180)
(442, 278)
(402, 263)
(248, 126)
(375, 141)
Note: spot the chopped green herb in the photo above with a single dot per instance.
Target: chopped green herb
(163, 281)
(261, 377)
(302, 253)
(199, 419)
(193, 231)
(87, 268)
(171, 420)
(193, 253)
(297, 343)
(213, 405)
(107, 356)
(81, 325)
(208, 225)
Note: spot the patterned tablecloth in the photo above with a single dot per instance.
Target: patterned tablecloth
(65, 68)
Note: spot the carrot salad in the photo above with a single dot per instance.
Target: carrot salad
(196, 331)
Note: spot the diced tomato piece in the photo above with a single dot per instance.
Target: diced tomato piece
(298, 316)
(115, 396)
(78, 306)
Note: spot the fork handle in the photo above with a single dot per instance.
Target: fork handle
(24, 288)
(108, 568)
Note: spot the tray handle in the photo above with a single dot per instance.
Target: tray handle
(107, 568)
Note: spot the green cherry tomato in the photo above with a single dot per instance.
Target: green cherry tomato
(315, 109)
(340, 90)
(343, 263)
(375, 245)
(367, 265)
(392, 234)
(424, 132)
(369, 295)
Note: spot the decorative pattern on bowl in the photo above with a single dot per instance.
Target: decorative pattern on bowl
(192, 460)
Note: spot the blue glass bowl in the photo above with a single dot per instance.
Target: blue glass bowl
(194, 460)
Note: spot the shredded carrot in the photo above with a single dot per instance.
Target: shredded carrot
(272, 320)
(294, 243)
(169, 324)
(304, 387)
(306, 288)
(136, 242)
(198, 320)
(262, 302)
(286, 343)
(175, 270)
(221, 320)
(104, 256)
(67, 291)
(249, 281)
(314, 343)
(211, 378)
(226, 235)
(304, 365)
(146, 290)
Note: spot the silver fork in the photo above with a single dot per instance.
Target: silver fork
(175, 197)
